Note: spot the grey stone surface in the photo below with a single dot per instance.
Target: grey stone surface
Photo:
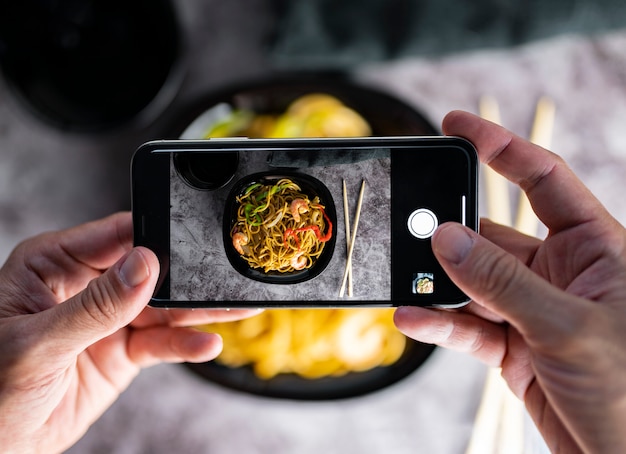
(200, 269)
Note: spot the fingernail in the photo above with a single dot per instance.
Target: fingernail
(452, 243)
(135, 269)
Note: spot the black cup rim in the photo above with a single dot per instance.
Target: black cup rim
(183, 163)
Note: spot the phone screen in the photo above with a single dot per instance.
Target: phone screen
(267, 224)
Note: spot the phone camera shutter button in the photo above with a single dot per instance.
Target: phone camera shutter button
(422, 223)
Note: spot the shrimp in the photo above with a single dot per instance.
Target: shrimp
(239, 240)
(298, 206)
(298, 261)
(361, 341)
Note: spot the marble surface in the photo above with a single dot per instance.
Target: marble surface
(49, 180)
(200, 268)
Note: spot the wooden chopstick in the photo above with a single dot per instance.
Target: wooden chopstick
(487, 425)
(541, 134)
(342, 290)
(347, 222)
(485, 432)
(498, 202)
(511, 437)
(499, 424)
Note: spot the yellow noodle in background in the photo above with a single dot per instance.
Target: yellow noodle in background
(312, 343)
(313, 115)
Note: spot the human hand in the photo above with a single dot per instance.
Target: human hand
(75, 331)
(551, 313)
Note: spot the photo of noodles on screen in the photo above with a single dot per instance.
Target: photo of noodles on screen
(279, 228)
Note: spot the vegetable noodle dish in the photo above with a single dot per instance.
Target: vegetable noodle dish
(278, 228)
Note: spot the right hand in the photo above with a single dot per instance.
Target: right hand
(551, 313)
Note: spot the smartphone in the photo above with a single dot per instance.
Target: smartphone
(302, 222)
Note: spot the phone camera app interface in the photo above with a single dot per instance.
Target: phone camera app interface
(278, 226)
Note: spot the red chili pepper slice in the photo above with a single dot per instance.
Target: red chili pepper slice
(315, 229)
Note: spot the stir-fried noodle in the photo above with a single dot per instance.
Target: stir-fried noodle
(279, 228)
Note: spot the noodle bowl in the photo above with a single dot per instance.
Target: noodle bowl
(279, 228)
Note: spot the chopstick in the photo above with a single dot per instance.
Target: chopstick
(347, 221)
(485, 432)
(541, 134)
(511, 434)
(486, 425)
(498, 202)
(499, 424)
(352, 241)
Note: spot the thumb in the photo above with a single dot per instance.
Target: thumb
(109, 302)
(497, 280)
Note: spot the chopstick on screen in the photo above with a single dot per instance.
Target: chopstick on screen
(347, 221)
(352, 241)
(540, 134)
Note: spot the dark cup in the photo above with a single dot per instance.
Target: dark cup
(207, 171)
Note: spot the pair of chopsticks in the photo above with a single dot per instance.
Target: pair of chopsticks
(499, 423)
(350, 237)
(498, 201)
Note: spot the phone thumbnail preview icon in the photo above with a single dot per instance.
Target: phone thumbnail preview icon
(423, 283)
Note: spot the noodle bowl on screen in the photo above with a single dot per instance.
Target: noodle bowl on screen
(278, 228)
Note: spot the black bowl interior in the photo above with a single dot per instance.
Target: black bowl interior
(311, 187)
(387, 116)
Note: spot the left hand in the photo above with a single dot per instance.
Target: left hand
(75, 331)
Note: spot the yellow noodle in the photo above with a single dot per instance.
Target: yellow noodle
(311, 343)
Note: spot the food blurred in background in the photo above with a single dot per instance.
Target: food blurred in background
(311, 115)
(311, 343)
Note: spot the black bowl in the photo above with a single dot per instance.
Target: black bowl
(290, 386)
(311, 187)
(387, 116)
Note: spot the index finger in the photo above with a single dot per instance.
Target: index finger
(184, 317)
(99, 244)
(557, 196)
(66, 260)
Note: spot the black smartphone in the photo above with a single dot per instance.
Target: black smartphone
(262, 222)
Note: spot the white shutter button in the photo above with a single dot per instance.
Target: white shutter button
(422, 223)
